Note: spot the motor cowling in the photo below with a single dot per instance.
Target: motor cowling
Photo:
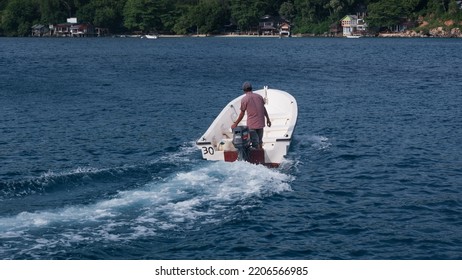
(241, 137)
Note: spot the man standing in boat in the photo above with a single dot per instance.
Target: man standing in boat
(254, 105)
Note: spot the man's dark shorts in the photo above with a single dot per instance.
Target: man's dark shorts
(260, 135)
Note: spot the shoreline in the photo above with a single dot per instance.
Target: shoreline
(438, 32)
(433, 33)
(380, 35)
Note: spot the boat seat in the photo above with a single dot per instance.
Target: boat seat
(276, 127)
(269, 139)
(280, 121)
(279, 116)
(278, 133)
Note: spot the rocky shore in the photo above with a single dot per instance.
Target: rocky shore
(438, 32)
(447, 29)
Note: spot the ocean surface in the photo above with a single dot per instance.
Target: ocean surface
(98, 156)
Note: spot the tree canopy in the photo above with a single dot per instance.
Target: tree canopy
(211, 16)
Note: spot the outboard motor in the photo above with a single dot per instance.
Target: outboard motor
(241, 141)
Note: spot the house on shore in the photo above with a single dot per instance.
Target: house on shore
(353, 25)
(71, 28)
(40, 30)
(335, 29)
(270, 25)
(404, 25)
(74, 29)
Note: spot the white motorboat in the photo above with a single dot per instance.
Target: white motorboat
(217, 142)
(148, 36)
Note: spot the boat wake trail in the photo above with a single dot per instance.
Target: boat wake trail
(213, 193)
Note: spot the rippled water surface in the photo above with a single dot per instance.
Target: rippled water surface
(97, 154)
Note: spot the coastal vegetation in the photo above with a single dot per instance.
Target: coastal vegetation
(219, 16)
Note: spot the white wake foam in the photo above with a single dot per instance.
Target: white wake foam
(184, 201)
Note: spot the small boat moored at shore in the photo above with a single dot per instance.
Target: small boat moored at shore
(149, 36)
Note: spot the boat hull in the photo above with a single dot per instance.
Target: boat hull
(149, 37)
(216, 142)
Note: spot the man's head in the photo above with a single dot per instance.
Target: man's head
(247, 87)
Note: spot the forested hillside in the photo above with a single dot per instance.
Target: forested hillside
(212, 16)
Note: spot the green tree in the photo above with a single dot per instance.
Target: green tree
(312, 16)
(453, 13)
(209, 16)
(453, 9)
(311, 10)
(246, 14)
(3, 4)
(72, 6)
(436, 7)
(287, 11)
(336, 7)
(386, 13)
(143, 15)
(52, 11)
(169, 16)
(19, 16)
(268, 7)
(103, 13)
(183, 23)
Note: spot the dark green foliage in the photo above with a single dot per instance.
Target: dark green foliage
(103, 13)
(210, 16)
(19, 16)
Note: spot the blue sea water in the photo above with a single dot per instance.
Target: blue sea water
(97, 154)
